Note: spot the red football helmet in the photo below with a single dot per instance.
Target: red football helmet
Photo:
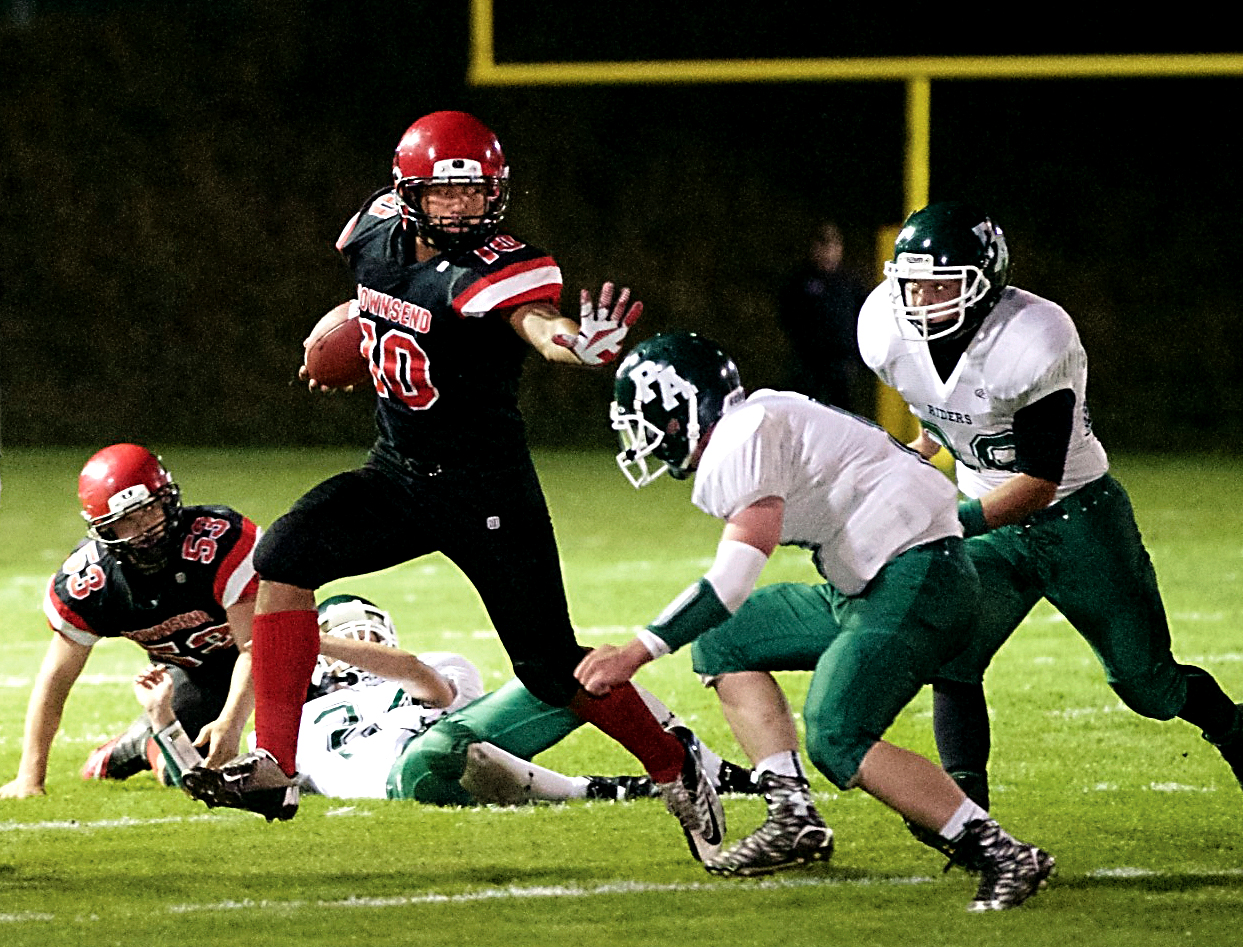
(115, 484)
(450, 148)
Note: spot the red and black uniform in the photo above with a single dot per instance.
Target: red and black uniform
(177, 615)
(450, 470)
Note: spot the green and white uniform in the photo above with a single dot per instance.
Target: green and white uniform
(882, 528)
(350, 739)
(431, 766)
(1084, 552)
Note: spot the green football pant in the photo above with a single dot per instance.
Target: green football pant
(870, 653)
(1085, 555)
(511, 718)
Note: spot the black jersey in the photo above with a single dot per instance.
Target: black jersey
(179, 614)
(444, 357)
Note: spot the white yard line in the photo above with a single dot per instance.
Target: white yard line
(505, 893)
(517, 892)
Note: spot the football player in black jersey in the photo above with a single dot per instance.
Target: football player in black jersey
(179, 581)
(449, 306)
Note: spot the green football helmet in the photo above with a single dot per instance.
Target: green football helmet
(947, 242)
(669, 391)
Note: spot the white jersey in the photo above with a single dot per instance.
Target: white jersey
(350, 738)
(1026, 348)
(853, 495)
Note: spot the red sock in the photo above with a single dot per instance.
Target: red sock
(283, 655)
(624, 716)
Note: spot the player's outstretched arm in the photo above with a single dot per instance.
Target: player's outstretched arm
(60, 669)
(749, 538)
(596, 339)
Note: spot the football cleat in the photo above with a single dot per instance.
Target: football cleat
(254, 782)
(621, 788)
(693, 799)
(121, 757)
(1010, 871)
(793, 834)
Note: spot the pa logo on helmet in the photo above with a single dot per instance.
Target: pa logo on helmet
(648, 376)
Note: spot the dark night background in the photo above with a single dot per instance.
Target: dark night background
(173, 176)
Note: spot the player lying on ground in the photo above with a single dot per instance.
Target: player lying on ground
(899, 600)
(178, 582)
(383, 723)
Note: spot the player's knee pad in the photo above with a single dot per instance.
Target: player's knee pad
(430, 767)
(277, 557)
(712, 658)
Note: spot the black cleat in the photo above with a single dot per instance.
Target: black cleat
(737, 780)
(693, 799)
(621, 788)
(121, 757)
(254, 782)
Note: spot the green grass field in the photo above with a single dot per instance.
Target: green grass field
(1142, 816)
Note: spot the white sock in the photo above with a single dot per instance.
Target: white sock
(668, 719)
(785, 763)
(968, 811)
(497, 776)
(553, 786)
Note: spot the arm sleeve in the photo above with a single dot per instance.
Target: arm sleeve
(1042, 435)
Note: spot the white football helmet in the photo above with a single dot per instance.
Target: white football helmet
(350, 616)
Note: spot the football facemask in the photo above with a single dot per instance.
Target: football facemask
(918, 321)
(958, 246)
(350, 616)
(452, 148)
(668, 393)
(641, 439)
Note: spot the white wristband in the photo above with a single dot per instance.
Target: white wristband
(657, 647)
(734, 572)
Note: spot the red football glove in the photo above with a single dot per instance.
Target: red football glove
(602, 326)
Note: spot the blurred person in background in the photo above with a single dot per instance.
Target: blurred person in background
(818, 307)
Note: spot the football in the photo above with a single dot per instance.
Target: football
(334, 358)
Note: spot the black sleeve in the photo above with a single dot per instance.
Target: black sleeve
(1042, 435)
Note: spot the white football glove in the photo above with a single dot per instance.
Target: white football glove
(602, 326)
